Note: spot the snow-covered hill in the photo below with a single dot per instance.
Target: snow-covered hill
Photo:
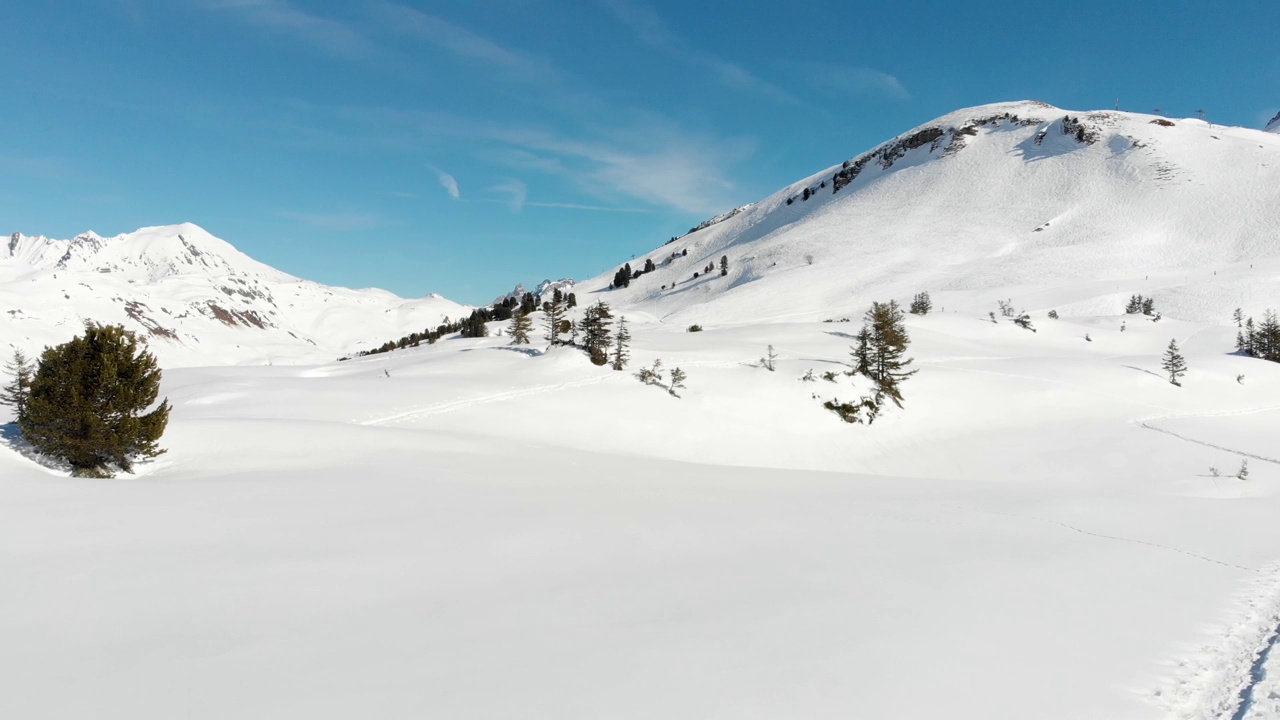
(1274, 125)
(198, 299)
(1052, 208)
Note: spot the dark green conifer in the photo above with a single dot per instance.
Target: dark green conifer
(87, 402)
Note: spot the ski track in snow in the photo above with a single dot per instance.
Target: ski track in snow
(1146, 423)
(1226, 681)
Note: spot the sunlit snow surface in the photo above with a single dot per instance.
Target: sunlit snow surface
(469, 530)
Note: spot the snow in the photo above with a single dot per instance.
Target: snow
(199, 300)
(1274, 125)
(470, 529)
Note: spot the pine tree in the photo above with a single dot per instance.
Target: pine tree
(595, 332)
(887, 341)
(521, 326)
(1174, 363)
(621, 344)
(87, 401)
(677, 381)
(724, 265)
(554, 318)
(861, 353)
(1266, 339)
(1238, 316)
(921, 304)
(15, 394)
(1250, 336)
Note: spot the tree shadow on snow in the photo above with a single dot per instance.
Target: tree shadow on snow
(11, 438)
(1149, 372)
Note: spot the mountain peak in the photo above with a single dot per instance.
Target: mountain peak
(1274, 125)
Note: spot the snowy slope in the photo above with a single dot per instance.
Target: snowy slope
(198, 299)
(1049, 529)
(1274, 125)
(1049, 207)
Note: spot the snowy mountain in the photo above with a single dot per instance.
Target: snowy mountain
(198, 299)
(1054, 208)
(1274, 125)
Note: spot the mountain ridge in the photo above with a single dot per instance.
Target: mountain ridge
(198, 299)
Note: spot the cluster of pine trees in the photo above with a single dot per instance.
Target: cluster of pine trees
(474, 325)
(1258, 339)
(1139, 305)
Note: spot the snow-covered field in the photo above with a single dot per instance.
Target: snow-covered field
(472, 530)
(490, 533)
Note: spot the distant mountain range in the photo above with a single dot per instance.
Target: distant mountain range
(198, 299)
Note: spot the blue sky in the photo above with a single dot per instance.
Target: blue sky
(463, 147)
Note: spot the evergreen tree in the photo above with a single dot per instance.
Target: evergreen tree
(1135, 305)
(887, 343)
(1250, 335)
(861, 353)
(1238, 316)
(677, 381)
(921, 304)
(521, 326)
(15, 394)
(571, 300)
(595, 332)
(649, 266)
(724, 265)
(1174, 363)
(87, 400)
(621, 345)
(554, 320)
(1266, 338)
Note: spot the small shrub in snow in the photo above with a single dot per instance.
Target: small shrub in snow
(808, 376)
(651, 375)
(1024, 321)
(829, 376)
(1053, 314)
(1088, 338)
(695, 328)
(1243, 472)
(993, 317)
(1006, 308)
(678, 377)
(768, 362)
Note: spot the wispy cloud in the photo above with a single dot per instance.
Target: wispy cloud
(580, 206)
(847, 81)
(334, 221)
(447, 181)
(517, 190)
(461, 42)
(652, 31)
(281, 16)
(656, 163)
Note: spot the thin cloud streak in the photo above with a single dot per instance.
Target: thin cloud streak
(461, 42)
(652, 31)
(334, 221)
(279, 15)
(847, 81)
